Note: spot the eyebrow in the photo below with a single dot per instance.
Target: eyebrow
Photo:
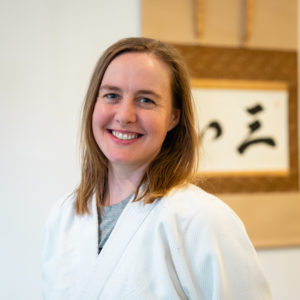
(109, 88)
(149, 92)
(117, 89)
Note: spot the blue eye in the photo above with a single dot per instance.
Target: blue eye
(111, 96)
(146, 100)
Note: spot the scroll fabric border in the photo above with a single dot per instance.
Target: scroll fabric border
(250, 65)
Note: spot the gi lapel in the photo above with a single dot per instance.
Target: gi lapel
(129, 222)
(87, 245)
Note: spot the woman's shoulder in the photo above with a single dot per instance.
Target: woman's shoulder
(62, 209)
(215, 241)
(204, 219)
(195, 204)
(63, 222)
(193, 198)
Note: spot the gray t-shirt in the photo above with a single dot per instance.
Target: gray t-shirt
(108, 219)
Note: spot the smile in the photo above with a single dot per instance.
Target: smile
(124, 136)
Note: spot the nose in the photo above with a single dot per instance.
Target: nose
(126, 112)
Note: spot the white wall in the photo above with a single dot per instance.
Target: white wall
(47, 52)
(48, 49)
(282, 268)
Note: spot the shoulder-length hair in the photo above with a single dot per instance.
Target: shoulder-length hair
(176, 162)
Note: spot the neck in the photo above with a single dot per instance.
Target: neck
(122, 181)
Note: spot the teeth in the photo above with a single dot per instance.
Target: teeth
(124, 136)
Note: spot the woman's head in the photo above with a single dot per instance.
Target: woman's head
(176, 159)
(134, 111)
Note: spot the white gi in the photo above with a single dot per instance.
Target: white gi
(187, 245)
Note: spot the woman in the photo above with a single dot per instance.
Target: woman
(135, 228)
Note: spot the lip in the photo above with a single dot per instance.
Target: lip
(124, 137)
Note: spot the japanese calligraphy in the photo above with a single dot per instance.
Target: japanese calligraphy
(243, 130)
(253, 127)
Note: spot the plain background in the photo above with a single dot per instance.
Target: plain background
(48, 51)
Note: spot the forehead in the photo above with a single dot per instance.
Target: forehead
(142, 64)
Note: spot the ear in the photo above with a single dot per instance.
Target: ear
(174, 118)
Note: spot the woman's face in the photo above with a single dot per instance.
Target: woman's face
(133, 112)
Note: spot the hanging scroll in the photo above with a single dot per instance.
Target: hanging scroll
(247, 100)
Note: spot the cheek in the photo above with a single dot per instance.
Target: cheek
(99, 116)
(157, 124)
(97, 122)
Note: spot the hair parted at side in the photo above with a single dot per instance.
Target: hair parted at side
(176, 162)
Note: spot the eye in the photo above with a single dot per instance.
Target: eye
(111, 97)
(146, 101)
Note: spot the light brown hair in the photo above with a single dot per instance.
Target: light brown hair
(176, 161)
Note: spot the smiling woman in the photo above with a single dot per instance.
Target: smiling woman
(133, 112)
(136, 228)
(147, 82)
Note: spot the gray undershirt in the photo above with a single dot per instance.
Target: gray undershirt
(108, 219)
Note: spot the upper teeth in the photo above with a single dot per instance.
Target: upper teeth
(124, 136)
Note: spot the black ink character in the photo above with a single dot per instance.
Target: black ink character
(253, 127)
(215, 125)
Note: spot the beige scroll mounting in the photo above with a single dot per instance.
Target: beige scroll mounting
(248, 21)
(198, 7)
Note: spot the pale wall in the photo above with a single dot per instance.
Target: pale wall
(48, 50)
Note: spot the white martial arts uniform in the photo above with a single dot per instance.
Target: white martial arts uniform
(187, 245)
